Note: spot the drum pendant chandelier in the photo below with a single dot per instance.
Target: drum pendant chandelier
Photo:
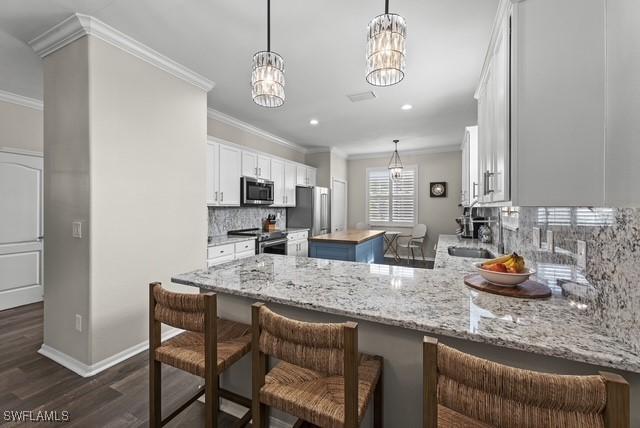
(267, 73)
(386, 36)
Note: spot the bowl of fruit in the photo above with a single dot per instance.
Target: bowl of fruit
(505, 271)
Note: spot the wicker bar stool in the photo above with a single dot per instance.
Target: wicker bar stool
(461, 390)
(321, 378)
(208, 347)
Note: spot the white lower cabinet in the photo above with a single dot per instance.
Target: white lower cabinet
(298, 244)
(218, 254)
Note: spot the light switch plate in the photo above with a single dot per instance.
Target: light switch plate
(582, 254)
(536, 237)
(76, 229)
(550, 244)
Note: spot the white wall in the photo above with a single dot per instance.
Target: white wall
(125, 153)
(20, 127)
(437, 213)
(338, 166)
(216, 128)
(148, 153)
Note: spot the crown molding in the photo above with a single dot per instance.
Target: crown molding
(12, 98)
(79, 25)
(237, 123)
(334, 150)
(427, 151)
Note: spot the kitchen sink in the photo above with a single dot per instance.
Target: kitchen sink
(474, 253)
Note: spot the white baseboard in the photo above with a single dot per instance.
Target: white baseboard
(20, 296)
(88, 370)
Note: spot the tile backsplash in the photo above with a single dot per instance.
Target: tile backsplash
(222, 220)
(612, 270)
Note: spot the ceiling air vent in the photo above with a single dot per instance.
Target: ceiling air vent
(362, 96)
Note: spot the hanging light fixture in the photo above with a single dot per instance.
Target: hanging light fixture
(386, 35)
(267, 73)
(395, 164)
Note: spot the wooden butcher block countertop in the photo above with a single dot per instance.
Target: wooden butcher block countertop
(351, 236)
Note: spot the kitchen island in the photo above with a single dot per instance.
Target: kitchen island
(395, 306)
(364, 246)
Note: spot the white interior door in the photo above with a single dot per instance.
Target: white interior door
(20, 229)
(338, 205)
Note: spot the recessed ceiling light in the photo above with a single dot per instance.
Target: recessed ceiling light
(406, 107)
(314, 122)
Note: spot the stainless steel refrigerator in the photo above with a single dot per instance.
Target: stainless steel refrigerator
(312, 210)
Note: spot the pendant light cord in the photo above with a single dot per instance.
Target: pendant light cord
(269, 25)
(386, 7)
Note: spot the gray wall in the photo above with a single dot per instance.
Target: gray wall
(437, 213)
(216, 128)
(21, 127)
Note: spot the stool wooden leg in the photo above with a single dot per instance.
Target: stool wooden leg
(378, 405)
(211, 401)
(155, 394)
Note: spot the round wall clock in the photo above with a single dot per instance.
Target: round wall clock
(438, 189)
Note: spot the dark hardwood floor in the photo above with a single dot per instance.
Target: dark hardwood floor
(116, 397)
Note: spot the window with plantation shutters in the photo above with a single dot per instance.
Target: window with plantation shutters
(391, 202)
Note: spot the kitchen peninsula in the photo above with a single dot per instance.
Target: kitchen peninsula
(396, 305)
(365, 246)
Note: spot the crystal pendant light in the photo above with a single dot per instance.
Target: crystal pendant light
(395, 164)
(267, 73)
(386, 35)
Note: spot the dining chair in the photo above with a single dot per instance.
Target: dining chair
(414, 241)
(461, 390)
(208, 347)
(321, 377)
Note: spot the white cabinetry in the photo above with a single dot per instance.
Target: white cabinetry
(290, 171)
(305, 176)
(229, 178)
(297, 244)
(223, 175)
(468, 194)
(218, 254)
(277, 176)
(256, 165)
(541, 105)
(493, 118)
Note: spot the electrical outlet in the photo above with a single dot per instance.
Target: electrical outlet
(76, 229)
(550, 243)
(536, 237)
(78, 322)
(582, 254)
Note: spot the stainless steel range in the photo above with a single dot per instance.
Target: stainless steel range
(266, 242)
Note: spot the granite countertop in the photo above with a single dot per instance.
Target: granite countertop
(226, 239)
(431, 301)
(351, 236)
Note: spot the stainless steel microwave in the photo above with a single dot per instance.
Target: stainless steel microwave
(255, 191)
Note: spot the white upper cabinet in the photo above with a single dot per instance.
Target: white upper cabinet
(290, 176)
(305, 176)
(249, 164)
(229, 177)
(256, 165)
(264, 167)
(277, 176)
(468, 194)
(212, 173)
(541, 105)
(223, 175)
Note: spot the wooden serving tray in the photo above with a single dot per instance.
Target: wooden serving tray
(527, 290)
